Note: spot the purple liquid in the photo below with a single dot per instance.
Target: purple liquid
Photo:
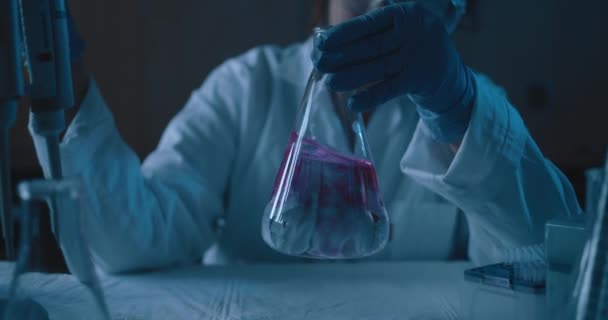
(326, 178)
(331, 208)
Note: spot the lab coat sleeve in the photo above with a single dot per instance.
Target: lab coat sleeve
(161, 212)
(498, 177)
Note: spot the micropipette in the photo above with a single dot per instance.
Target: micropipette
(51, 89)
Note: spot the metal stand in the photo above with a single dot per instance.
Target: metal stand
(12, 88)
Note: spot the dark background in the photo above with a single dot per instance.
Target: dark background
(551, 56)
(148, 55)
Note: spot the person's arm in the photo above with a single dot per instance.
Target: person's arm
(160, 212)
(498, 177)
(471, 146)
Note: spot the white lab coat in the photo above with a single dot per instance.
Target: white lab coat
(207, 183)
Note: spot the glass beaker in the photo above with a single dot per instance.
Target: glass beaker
(587, 297)
(593, 186)
(65, 196)
(591, 289)
(326, 202)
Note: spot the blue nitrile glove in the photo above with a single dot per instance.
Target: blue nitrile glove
(77, 44)
(398, 50)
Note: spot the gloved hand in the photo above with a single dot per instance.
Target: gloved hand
(397, 50)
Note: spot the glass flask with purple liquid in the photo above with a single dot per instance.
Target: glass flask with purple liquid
(326, 202)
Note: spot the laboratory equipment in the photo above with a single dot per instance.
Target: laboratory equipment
(504, 291)
(589, 300)
(511, 290)
(68, 197)
(12, 88)
(34, 41)
(46, 33)
(564, 243)
(526, 276)
(326, 202)
(593, 187)
(17, 304)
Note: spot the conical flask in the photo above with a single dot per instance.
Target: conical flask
(326, 202)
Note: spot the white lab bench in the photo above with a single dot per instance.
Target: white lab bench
(362, 290)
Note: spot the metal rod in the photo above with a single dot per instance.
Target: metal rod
(55, 172)
(12, 87)
(52, 147)
(6, 196)
(593, 278)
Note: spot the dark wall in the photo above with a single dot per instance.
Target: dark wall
(149, 55)
(558, 44)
